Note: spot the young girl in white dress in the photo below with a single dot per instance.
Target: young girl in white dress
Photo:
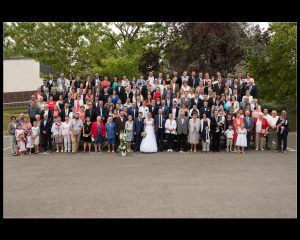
(29, 142)
(36, 137)
(149, 142)
(241, 140)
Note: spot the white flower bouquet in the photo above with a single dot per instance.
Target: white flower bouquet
(122, 147)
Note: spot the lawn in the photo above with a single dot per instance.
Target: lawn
(8, 113)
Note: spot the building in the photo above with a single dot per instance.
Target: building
(21, 79)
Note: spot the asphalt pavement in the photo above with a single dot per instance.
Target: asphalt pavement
(161, 185)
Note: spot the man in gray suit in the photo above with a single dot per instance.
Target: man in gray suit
(182, 131)
(11, 130)
(248, 121)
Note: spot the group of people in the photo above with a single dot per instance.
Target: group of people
(183, 110)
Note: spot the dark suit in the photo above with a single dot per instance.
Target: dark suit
(254, 91)
(120, 90)
(153, 110)
(49, 114)
(131, 112)
(120, 126)
(249, 127)
(193, 82)
(138, 127)
(104, 111)
(55, 96)
(211, 102)
(70, 102)
(46, 137)
(160, 130)
(144, 91)
(203, 110)
(45, 96)
(206, 89)
(91, 112)
(171, 111)
(130, 95)
(217, 89)
(62, 114)
(179, 82)
(165, 111)
(215, 133)
(199, 103)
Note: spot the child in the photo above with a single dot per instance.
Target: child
(21, 145)
(19, 131)
(229, 136)
(29, 143)
(129, 132)
(36, 137)
(241, 138)
(207, 140)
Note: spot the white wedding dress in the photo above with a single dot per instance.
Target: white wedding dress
(149, 142)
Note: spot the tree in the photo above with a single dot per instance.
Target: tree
(206, 46)
(273, 65)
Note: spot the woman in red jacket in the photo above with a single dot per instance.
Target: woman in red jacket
(260, 128)
(98, 133)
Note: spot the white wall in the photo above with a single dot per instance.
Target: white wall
(21, 75)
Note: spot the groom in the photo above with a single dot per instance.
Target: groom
(138, 127)
(160, 129)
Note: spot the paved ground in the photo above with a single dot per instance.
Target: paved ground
(164, 185)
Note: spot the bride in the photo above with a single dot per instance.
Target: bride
(149, 142)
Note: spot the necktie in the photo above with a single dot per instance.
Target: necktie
(90, 113)
(101, 112)
(133, 113)
(159, 121)
(45, 123)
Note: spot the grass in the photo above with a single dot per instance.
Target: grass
(10, 112)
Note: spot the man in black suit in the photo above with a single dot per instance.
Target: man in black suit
(97, 78)
(165, 109)
(133, 110)
(120, 125)
(193, 81)
(102, 111)
(252, 88)
(90, 112)
(45, 129)
(236, 85)
(77, 81)
(205, 109)
(174, 110)
(44, 85)
(138, 127)
(219, 87)
(120, 90)
(65, 112)
(46, 111)
(216, 131)
(178, 79)
(168, 100)
(128, 94)
(46, 94)
(55, 95)
(196, 101)
(96, 102)
(160, 129)
(153, 108)
(69, 101)
(212, 99)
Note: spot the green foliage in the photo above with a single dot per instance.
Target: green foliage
(274, 65)
(119, 66)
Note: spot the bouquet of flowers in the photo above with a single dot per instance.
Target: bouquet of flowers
(143, 134)
(122, 147)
